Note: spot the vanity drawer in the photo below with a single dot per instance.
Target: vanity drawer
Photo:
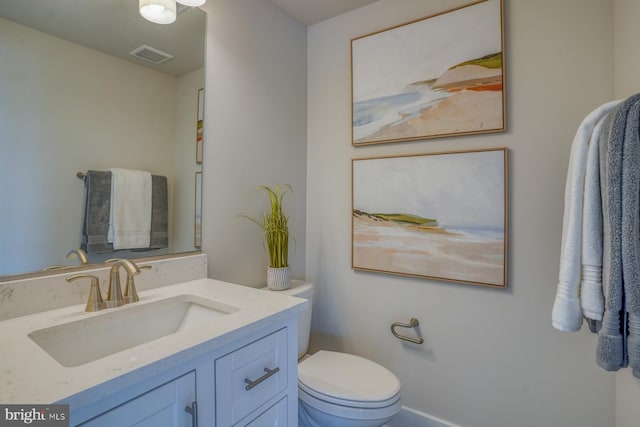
(276, 415)
(250, 376)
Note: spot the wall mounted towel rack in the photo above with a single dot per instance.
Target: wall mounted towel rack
(413, 323)
(81, 175)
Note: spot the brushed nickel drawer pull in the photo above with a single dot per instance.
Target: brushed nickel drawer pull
(193, 410)
(269, 373)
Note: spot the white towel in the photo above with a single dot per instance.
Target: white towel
(567, 313)
(591, 295)
(130, 210)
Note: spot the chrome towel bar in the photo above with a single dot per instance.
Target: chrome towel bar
(413, 323)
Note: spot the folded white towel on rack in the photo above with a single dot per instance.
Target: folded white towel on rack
(130, 211)
(567, 312)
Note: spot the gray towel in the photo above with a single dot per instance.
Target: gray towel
(631, 234)
(95, 223)
(610, 354)
(159, 213)
(633, 342)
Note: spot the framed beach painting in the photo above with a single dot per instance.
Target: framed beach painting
(437, 76)
(439, 216)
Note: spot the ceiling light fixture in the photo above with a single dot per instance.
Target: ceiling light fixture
(192, 3)
(158, 11)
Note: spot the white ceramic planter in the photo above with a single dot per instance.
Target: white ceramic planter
(279, 279)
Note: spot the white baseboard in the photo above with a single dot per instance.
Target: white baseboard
(408, 417)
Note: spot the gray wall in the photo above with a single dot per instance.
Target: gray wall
(491, 357)
(255, 133)
(184, 158)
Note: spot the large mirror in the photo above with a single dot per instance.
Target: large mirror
(73, 99)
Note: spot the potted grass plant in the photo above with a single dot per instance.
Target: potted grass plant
(275, 226)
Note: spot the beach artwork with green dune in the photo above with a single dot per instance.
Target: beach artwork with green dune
(439, 216)
(442, 75)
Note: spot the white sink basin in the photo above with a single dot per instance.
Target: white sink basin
(83, 341)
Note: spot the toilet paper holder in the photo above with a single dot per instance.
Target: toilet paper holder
(413, 323)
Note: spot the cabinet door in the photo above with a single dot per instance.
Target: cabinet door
(275, 416)
(163, 406)
(249, 377)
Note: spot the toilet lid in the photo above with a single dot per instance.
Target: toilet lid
(347, 377)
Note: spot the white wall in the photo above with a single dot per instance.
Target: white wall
(184, 157)
(254, 134)
(627, 82)
(627, 60)
(59, 102)
(491, 357)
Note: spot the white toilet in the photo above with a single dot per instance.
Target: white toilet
(339, 389)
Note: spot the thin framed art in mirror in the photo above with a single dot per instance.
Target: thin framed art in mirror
(441, 75)
(436, 216)
(197, 228)
(200, 127)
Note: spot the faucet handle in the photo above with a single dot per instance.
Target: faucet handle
(130, 294)
(95, 302)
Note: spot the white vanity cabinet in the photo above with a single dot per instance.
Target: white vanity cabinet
(233, 351)
(252, 382)
(163, 406)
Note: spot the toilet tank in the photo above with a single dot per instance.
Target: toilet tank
(302, 289)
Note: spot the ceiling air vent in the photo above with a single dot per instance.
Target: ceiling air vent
(149, 54)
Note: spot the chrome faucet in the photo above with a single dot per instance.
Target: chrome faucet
(114, 295)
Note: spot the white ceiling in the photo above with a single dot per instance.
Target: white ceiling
(310, 12)
(115, 27)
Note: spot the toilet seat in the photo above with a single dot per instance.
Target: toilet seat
(347, 380)
(341, 412)
(311, 396)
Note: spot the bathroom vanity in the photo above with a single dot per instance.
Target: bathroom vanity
(203, 352)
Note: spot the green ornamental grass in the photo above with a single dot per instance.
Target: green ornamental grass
(275, 225)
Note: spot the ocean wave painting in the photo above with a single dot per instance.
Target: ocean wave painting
(433, 77)
(440, 216)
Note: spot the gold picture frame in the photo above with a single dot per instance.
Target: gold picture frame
(200, 127)
(437, 216)
(197, 228)
(442, 75)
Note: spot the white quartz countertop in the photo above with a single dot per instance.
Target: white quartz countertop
(28, 374)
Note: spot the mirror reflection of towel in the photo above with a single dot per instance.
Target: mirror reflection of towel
(97, 204)
(130, 213)
(159, 213)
